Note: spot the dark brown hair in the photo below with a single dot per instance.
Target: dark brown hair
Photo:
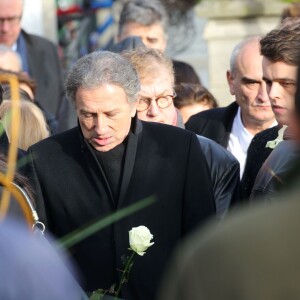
(282, 44)
(189, 93)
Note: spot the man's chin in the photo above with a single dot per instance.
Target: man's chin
(103, 148)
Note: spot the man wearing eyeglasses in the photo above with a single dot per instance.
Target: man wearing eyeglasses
(157, 92)
(156, 105)
(39, 56)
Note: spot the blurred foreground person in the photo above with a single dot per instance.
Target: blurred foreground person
(31, 269)
(110, 161)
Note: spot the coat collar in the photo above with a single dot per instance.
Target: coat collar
(130, 157)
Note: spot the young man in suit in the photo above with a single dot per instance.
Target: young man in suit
(111, 160)
(281, 54)
(39, 56)
(234, 126)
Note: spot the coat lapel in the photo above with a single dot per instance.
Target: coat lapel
(130, 157)
(94, 167)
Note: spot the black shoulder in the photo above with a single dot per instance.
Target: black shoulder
(164, 132)
(67, 138)
(265, 136)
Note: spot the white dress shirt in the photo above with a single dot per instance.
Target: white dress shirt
(239, 141)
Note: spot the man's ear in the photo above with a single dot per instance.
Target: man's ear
(230, 80)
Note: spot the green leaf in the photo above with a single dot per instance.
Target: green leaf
(82, 233)
(97, 295)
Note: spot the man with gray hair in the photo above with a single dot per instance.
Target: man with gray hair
(234, 126)
(111, 160)
(149, 21)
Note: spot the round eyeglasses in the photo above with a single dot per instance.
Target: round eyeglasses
(162, 102)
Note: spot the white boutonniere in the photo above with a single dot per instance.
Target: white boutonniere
(279, 139)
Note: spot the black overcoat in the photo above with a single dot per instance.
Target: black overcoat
(45, 68)
(161, 161)
(215, 124)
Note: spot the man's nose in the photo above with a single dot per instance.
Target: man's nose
(4, 25)
(100, 124)
(262, 93)
(153, 109)
(274, 91)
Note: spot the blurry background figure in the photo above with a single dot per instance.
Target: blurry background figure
(292, 11)
(26, 84)
(27, 91)
(4, 142)
(39, 56)
(129, 43)
(149, 21)
(193, 98)
(31, 269)
(33, 126)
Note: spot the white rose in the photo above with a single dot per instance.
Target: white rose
(139, 239)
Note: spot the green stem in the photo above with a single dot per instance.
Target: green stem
(124, 274)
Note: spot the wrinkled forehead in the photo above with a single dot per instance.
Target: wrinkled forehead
(249, 63)
(155, 74)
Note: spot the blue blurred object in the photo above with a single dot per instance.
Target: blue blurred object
(31, 269)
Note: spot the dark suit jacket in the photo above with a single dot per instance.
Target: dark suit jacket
(162, 161)
(224, 170)
(256, 156)
(45, 68)
(214, 124)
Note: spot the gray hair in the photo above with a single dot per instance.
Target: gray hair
(237, 50)
(144, 12)
(100, 68)
(149, 62)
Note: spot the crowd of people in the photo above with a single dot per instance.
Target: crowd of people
(129, 123)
